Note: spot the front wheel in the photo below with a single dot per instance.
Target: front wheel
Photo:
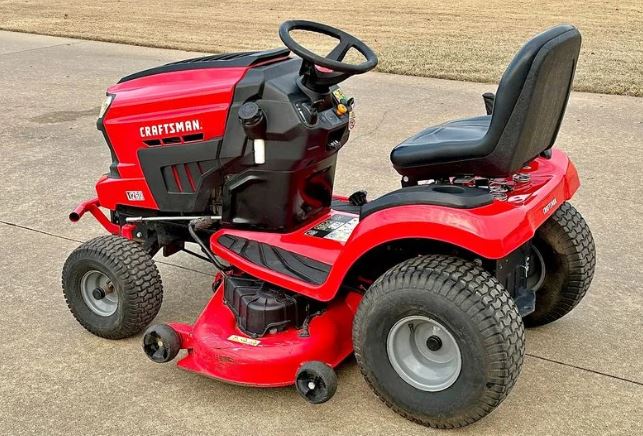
(112, 287)
(439, 340)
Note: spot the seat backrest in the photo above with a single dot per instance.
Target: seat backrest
(532, 97)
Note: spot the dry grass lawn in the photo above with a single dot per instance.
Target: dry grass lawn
(467, 40)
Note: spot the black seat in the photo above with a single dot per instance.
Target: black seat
(528, 109)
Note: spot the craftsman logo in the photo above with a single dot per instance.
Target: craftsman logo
(549, 205)
(170, 128)
(135, 195)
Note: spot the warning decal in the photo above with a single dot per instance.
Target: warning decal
(337, 227)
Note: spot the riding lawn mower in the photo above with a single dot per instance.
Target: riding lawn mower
(429, 286)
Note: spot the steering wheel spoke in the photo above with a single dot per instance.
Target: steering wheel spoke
(340, 50)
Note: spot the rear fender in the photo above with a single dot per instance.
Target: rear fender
(491, 232)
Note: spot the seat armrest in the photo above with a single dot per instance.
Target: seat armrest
(489, 99)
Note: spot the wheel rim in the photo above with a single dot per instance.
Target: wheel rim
(98, 293)
(424, 353)
(155, 347)
(536, 271)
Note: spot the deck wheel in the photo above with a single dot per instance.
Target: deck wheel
(161, 343)
(316, 382)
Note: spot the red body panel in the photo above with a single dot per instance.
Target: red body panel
(491, 231)
(275, 360)
(203, 95)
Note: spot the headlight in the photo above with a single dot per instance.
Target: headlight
(108, 100)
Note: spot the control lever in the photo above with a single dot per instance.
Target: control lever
(253, 120)
(314, 110)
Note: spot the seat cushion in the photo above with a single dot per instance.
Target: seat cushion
(454, 140)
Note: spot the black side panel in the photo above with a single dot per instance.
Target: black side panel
(278, 200)
(511, 273)
(182, 177)
(215, 61)
(276, 259)
(296, 181)
(458, 197)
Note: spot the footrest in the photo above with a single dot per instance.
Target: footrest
(277, 259)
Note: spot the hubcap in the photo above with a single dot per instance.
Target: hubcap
(434, 343)
(424, 353)
(98, 293)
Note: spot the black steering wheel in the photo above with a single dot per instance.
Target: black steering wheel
(312, 76)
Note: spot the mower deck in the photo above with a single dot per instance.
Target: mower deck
(218, 349)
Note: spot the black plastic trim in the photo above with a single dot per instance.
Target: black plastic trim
(202, 160)
(277, 259)
(459, 197)
(245, 59)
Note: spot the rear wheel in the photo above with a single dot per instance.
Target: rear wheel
(439, 340)
(112, 287)
(565, 262)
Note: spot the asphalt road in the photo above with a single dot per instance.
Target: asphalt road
(582, 374)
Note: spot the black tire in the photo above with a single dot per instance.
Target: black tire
(323, 378)
(161, 343)
(567, 248)
(478, 312)
(133, 277)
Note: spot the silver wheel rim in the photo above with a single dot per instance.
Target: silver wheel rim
(93, 280)
(424, 353)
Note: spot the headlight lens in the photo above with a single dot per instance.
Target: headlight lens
(108, 101)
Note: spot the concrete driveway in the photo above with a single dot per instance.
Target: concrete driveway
(582, 375)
